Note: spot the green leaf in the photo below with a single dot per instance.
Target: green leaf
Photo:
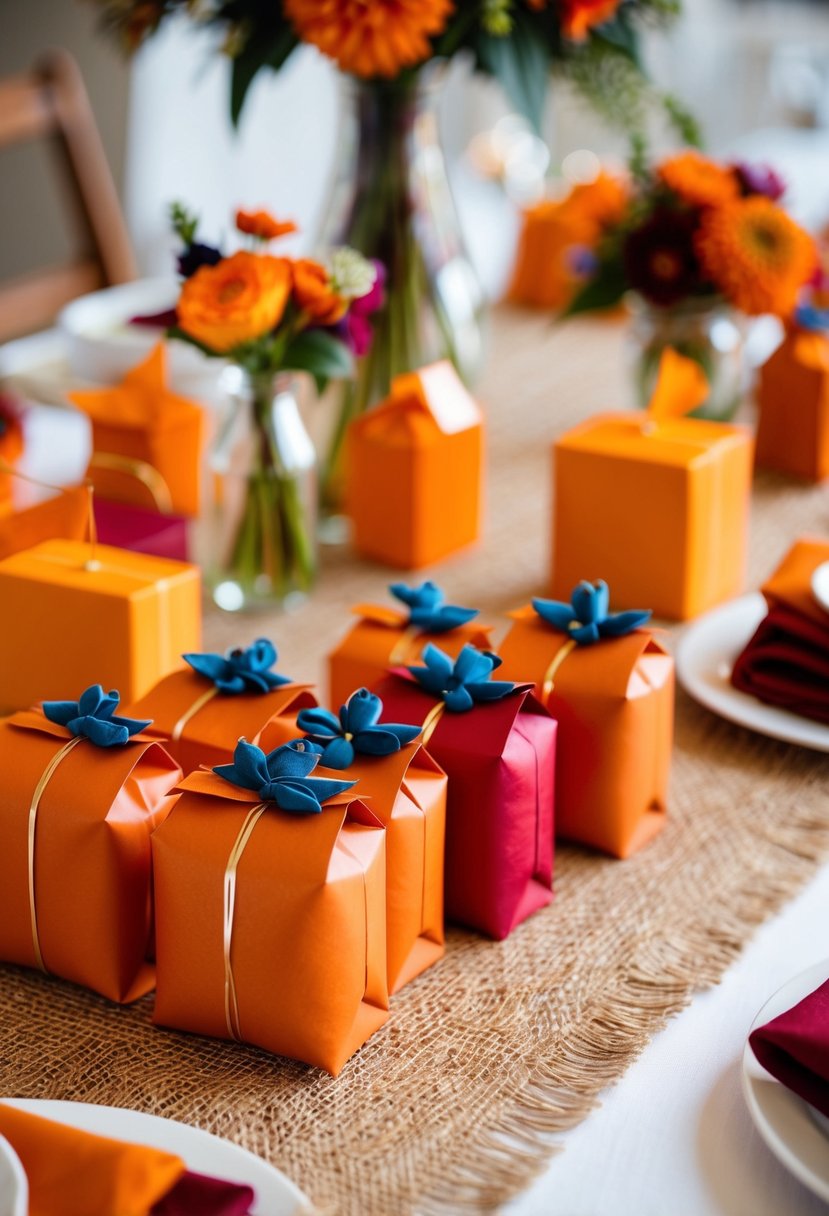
(622, 37)
(257, 53)
(180, 335)
(604, 290)
(321, 354)
(521, 65)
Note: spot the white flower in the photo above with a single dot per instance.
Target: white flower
(352, 275)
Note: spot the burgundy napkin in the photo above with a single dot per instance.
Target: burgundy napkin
(140, 530)
(794, 1048)
(786, 662)
(198, 1195)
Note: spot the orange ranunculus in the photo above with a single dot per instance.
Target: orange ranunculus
(370, 39)
(698, 180)
(313, 293)
(240, 298)
(579, 16)
(263, 225)
(756, 254)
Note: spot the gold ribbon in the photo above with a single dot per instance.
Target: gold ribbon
(550, 674)
(45, 778)
(240, 844)
(142, 471)
(431, 720)
(406, 648)
(197, 705)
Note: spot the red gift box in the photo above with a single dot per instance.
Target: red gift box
(141, 531)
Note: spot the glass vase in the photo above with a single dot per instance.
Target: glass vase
(705, 330)
(391, 201)
(260, 549)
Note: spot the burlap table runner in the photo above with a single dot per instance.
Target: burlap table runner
(454, 1105)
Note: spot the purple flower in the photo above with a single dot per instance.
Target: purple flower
(196, 256)
(760, 179)
(356, 328)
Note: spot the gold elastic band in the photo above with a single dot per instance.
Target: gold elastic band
(45, 778)
(198, 704)
(406, 647)
(231, 1005)
(550, 674)
(142, 471)
(432, 718)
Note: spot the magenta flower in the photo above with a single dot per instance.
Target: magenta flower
(356, 327)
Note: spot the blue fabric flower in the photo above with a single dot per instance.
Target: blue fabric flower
(93, 717)
(240, 670)
(355, 730)
(282, 776)
(427, 610)
(460, 684)
(809, 316)
(586, 618)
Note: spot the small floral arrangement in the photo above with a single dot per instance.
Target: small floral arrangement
(693, 229)
(269, 314)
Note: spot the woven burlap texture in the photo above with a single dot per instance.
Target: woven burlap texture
(453, 1106)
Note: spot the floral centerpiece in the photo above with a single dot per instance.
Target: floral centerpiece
(269, 317)
(391, 197)
(694, 242)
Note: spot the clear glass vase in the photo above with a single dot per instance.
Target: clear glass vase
(260, 543)
(705, 330)
(391, 200)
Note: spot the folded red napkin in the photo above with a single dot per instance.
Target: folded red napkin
(786, 662)
(794, 1048)
(196, 1193)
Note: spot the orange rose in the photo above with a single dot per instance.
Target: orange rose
(240, 298)
(313, 293)
(263, 225)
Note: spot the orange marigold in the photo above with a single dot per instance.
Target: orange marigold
(370, 37)
(578, 17)
(262, 224)
(240, 298)
(698, 180)
(756, 254)
(313, 293)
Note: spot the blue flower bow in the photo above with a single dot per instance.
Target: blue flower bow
(812, 317)
(586, 618)
(355, 730)
(238, 671)
(282, 777)
(93, 717)
(462, 683)
(427, 609)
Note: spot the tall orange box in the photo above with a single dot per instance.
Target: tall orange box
(415, 471)
(793, 407)
(658, 508)
(69, 619)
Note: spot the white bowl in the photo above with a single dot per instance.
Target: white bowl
(14, 1189)
(102, 346)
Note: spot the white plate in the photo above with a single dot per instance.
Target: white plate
(14, 1190)
(705, 655)
(820, 585)
(276, 1195)
(794, 1131)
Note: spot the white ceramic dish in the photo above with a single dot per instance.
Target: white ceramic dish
(276, 1195)
(820, 585)
(796, 1133)
(704, 658)
(14, 1190)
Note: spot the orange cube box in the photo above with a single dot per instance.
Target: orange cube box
(389, 637)
(64, 516)
(71, 616)
(793, 407)
(414, 465)
(659, 509)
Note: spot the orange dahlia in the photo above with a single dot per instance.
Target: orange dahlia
(756, 254)
(698, 180)
(370, 37)
(579, 16)
(262, 224)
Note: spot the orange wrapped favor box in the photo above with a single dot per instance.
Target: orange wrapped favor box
(793, 406)
(657, 502)
(391, 637)
(64, 516)
(146, 440)
(610, 686)
(270, 909)
(407, 792)
(70, 613)
(201, 711)
(81, 791)
(414, 481)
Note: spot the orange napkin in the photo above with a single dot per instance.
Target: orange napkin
(75, 1173)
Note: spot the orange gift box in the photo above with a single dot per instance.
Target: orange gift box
(390, 637)
(271, 925)
(407, 792)
(65, 516)
(614, 704)
(199, 723)
(70, 614)
(146, 440)
(76, 820)
(415, 470)
(793, 407)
